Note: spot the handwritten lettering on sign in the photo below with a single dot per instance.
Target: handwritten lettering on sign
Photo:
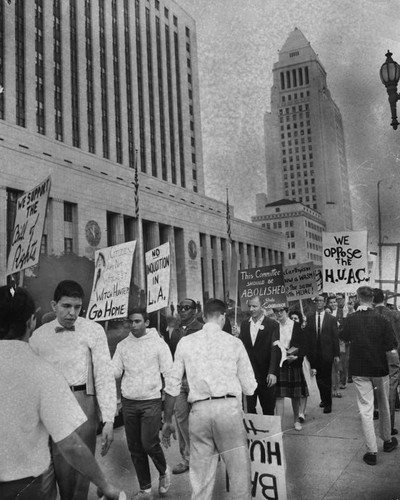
(300, 281)
(28, 228)
(345, 261)
(265, 282)
(267, 459)
(158, 271)
(111, 281)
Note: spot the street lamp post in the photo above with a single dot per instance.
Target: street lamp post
(379, 234)
(390, 75)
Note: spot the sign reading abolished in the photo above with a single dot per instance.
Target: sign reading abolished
(28, 228)
(345, 261)
(266, 282)
(112, 277)
(158, 271)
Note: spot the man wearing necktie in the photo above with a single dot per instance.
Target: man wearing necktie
(78, 348)
(322, 336)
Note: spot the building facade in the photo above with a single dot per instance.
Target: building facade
(305, 146)
(301, 225)
(93, 88)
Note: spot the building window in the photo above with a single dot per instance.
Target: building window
(43, 245)
(103, 81)
(170, 106)
(57, 58)
(74, 75)
(68, 245)
(161, 100)
(139, 70)
(179, 104)
(89, 77)
(68, 212)
(20, 62)
(117, 90)
(153, 151)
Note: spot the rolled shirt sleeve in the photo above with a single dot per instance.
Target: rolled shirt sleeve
(245, 372)
(103, 372)
(173, 380)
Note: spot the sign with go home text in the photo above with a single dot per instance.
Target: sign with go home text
(267, 458)
(28, 228)
(158, 271)
(344, 261)
(112, 277)
(300, 281)
(266, 282)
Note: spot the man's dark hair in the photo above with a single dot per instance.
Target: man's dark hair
(139, 310)
(365, 293)
(68, 288)
(379, 296)
(330, 297)
(16, 307)
(214, 306)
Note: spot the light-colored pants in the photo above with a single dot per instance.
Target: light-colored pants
(182, 410)
(216, 429)
(365, 400)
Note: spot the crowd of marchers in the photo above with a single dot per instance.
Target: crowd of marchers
(193, 380)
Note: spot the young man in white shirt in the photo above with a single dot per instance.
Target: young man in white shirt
(140, 360)
(35, 402)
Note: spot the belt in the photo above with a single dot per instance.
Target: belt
(215, 397)
(75, 388)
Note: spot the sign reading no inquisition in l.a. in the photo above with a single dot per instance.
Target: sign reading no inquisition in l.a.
(158, 271)
(344, 261)
(28, 228)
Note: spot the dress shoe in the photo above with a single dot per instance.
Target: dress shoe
(328, 409)
(302, 418)
(322, 405)
(349, 380)
(389, 446)
(394, 431)
(180, 468)
(342, 386)
(297, 426)
(370, 458)
(376, 414)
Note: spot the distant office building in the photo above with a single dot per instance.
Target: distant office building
(301, 225)
(305, 147)
(86, 84)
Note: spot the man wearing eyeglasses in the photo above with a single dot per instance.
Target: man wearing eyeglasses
(187, 310)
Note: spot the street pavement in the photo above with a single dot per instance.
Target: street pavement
(324, 460)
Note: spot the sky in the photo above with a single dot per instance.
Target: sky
(238, 42)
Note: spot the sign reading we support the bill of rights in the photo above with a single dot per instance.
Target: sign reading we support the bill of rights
(266, 282)
(300, 281)
(158, 271)
(267, 458)
(112, 277)
(28, 228)
(345, 261)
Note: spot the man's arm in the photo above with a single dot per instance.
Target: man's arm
(78, 455)
(245, 372)
(273, 368)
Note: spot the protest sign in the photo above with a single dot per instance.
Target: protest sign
(300, 281)
(266, 282)
(267, 458)
(112, 277)
(345, 261)
(28, 228)
(158, 271)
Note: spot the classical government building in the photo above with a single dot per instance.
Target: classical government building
(305, 146)
(92, 88)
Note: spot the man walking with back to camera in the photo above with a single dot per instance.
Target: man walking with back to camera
(260, 335)
(372, 339)
(78, 348)
(187, 310)
(218, 371)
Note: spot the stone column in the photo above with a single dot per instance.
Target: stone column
(218, 256)
(56, 226)
(3, 234)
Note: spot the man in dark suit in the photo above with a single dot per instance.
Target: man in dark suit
(259, 335)
(322, 334)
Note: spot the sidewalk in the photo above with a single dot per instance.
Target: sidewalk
(324, 460)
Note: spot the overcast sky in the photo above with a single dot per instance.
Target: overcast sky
(238, 42)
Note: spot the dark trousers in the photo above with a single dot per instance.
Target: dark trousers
(267, 397)
(324, 381)
(71, 484)
(28, 488)
(142, 419)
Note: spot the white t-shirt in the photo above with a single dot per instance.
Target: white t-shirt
(36, 402)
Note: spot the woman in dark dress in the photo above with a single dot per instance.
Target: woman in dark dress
(291, 383)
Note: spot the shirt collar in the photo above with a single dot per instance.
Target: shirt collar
(211, 328)
(260, 320)
(364, 308)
